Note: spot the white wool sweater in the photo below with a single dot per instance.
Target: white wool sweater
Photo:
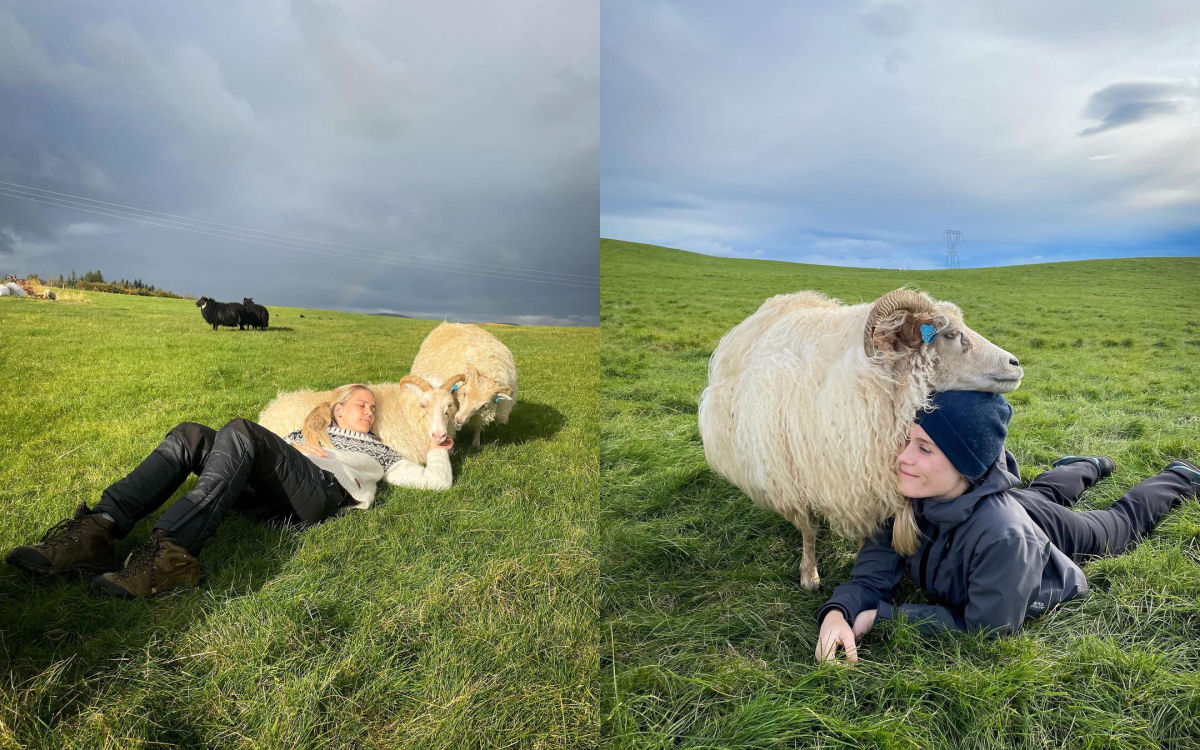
(360, 459)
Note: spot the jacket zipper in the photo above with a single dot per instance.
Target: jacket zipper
(925, 558)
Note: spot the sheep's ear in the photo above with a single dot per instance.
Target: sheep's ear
(453, 382)
(502, 394)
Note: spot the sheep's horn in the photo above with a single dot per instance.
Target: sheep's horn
(505, 390)
(887, 305)
(453, 380)
(416, 380)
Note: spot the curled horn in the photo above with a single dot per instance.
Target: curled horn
(454, 380)
(416, 380)
(886, 306)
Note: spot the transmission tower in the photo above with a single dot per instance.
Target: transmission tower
(952, 238)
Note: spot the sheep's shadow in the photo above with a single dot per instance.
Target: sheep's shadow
(55, 625)
(529, 421)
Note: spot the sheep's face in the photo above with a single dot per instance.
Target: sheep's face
(965, 360)
(479, 399)
(200, 303)
(437, 411)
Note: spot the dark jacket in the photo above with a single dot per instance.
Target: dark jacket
(982, 559)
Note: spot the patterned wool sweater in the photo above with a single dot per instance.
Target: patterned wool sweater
(360, 459)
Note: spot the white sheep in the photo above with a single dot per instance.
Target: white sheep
(809, 402)
(490, 389)
(408, 414)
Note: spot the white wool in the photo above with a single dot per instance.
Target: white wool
(801, 419)
(462, 348)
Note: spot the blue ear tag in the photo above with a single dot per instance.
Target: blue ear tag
(495, 399)
(454, 388)
(928, 333)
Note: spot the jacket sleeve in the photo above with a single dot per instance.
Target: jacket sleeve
(436, 474)
(876, 572)
(1003, 580)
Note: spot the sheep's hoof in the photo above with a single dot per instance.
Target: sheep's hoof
(810, 583)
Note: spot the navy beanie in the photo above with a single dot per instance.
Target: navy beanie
(969, 427)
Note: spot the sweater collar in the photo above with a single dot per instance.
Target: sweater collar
(354, 434)
(1003, 475)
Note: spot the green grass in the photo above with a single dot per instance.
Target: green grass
(443, 620)
(709, 638)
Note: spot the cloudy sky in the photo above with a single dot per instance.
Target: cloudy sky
(856, 133)
(430, 159)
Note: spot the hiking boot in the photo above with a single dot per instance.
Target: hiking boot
(81, 546)
(155, 567)
(1187, 469)
(1103, 463)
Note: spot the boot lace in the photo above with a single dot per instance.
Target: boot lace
(140, 559)
(64, 527)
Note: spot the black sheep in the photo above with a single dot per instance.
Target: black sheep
(221, 313)
(256, 316)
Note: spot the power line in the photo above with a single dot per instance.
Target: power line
(290, 242)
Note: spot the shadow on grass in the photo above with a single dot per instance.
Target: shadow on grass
(56, 637)
(528, 422)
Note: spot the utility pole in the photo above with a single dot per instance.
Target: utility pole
(952, 238)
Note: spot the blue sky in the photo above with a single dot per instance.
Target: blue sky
(430, 159)
(855, 133)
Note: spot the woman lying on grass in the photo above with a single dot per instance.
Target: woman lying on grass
(992, 555)
(243, 465)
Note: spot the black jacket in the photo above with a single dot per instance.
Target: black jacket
(982, 559)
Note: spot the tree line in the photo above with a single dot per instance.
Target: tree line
(93, 281)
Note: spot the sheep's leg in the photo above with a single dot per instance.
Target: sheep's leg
(475, 441)
(810, 579)
(808, 524)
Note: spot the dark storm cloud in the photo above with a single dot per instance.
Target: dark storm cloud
(467, 133)
(1126, 103)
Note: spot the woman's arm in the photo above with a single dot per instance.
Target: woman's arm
(436, 474)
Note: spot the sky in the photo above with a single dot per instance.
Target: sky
(857, 133)
(439, 160)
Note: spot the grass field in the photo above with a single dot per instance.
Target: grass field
(455, 620)
(709, 638)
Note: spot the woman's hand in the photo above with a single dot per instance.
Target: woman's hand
(311, 450)
(835, 631)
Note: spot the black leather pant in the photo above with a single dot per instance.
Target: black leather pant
(241, 465)
(1091, 533)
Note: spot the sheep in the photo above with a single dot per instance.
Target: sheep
(255, 315)
(490, 390)
(408, 414)
(221, 313)
(809, 402)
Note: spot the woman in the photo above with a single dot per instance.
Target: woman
(992, 555)
(242, 465)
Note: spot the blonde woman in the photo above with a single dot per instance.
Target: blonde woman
(243, 465)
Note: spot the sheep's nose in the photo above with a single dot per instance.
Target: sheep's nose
(1013, 361)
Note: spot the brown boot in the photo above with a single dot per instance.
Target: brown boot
(82, 545)
(157, 566)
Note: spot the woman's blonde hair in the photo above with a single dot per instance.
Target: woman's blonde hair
(316, 424)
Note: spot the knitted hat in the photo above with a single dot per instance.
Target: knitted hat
(969, 427)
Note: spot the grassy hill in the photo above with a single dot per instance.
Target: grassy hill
(710, 639)
(459, 619)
